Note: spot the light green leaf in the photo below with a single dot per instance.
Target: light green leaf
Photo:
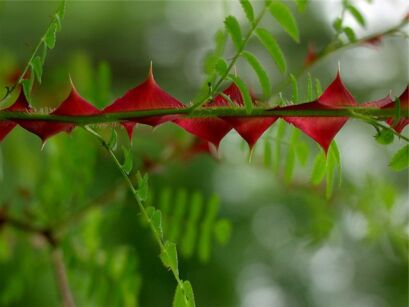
(190, 236)
(302, 152)
(180, 205)
(113, 141)
(37, 68)
(318, 169)
(273, 48)
(350, 34)
(318, 88)
(248, 104)
(189, 293)
(400, 160)
(261, 73)
(27, 86)
(356, 14)
(143, 186)
(248, 10)
(310, 91)
(204, 246)
(294, 86)
(221, 66)
(301, 4)
(337, 25)
(50, 35)
(233, 27)
(184, 296)
(222, 231)
(43, 52)
(155, 217)
(128, 162)
(267, 153)
(169, 256)
(385, 136)
(285, 18)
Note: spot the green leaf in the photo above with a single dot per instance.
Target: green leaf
(222, 231)
(285, 18)
(113, 141)
(27, 86)
(43, 52)
(37, 68)
(294, 86)
(180, 205)
(189, 293)
(50, 35)
(155, 217)
(400, 160)
(281, 130)
(169, 256)
(356, 14)
(261, 73)
(184, 296)
(385, 136)
(337, 25)
(143, 186)
(267, 153)
(248, 10)
(302, 152)
(333, 163)
(318, 169)
(248, 104)
(204, 246)
(310, 91)
(61, 9)
(189, 239)
(350, 34)
(273, 48)
(128, 162)
(318, 88)
(233, 27)
(221, 66)
(334, 150)
(301, 4)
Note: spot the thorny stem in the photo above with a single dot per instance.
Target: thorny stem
(141, 206)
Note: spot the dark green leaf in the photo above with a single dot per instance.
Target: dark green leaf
(400, 160)
(273, 48)
(155, 217)
(189, 238)
(233, 27)
(248, 104)
(248, 10)
(285, 18)
(221, 66)
(179, 206)
(261, 73)
(357, 14)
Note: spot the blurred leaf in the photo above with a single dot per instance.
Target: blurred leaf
(273, 48)
(128, 162)
(356, 14)
(206, 228)
(261, 73)
(37, 68)
(113, 141)
(179, 211)
(50, 35)
(189, 239)
(155, 217)
(169, 256)
(248, 103)
(400, 160)
(27, 86)
(183, 294)
(221, 66)
(318, 88)
(222, 230)
(318, 169)
(301, 4)
(385, 136)
(233, 27)
(294, 85)
(350, 34)
(310, 91)
(285, 18)
(248, 10)
(143, 186)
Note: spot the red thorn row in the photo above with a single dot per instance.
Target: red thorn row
(149, 96)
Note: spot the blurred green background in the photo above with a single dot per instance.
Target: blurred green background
(289, 245)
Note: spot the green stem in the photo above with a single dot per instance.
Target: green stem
(141, 206)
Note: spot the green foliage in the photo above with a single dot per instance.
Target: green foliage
(233, 28)
(260, 72)
(248, 103)
(400, 160)
(356, 14)
(169, 256)
(273, 48)
(248, 10)
(128, 162)
(184, 296)
(385, 136)
(285, 18)
(192, 222)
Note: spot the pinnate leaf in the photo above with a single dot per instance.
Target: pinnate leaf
(248, 10)
(400, 160)
(233, 27)
(285, 18)
(273, 48)
(261, 73)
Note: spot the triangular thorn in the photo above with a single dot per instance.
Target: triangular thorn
(150, 72)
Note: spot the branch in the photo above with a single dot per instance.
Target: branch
(61, 277)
